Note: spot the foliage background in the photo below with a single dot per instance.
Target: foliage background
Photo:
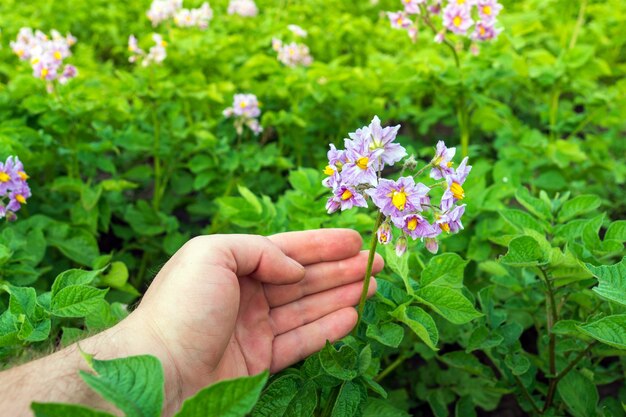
(547, 105)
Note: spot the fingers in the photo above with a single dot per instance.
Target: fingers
(243, 255)
(313, 307)
(321, 245)
(293, 346)
(323, 276)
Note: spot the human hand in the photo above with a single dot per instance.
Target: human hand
(226, 306)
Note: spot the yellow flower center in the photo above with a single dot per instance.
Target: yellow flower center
(457, 21)
(243, 104)
(398, 199)
(57, 55)
(24, 176)
(449, 164)
(20, 198)
(4, 177)
(445, 227)
(44, 72)
(346, 195)
(329, 170)
(399, 21)
(460, 1)
(362, 162)
(482, 30)
(487, 10)
(457, 191)
(163, 43)
(20, 53)
(34, 61)
(412, 224)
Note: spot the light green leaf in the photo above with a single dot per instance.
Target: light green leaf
(590, 233)
(65, 410)
(23, 300)
(76, 300)
(579, 394)
(389, 334)
(450, 304)
(578, 206)
(398, 264)
(616, 231)
(250, 198)
(517, 363)
(116, 276)
(133, 384)
(536, 206)
(420, 322)
(612, 281)
(340, 363)
(521, 220)
(379, 408)
(232, 398)
(610, 330)
(9, 329)
(73, 277)
(445, 270)
(524, 251)
(287, 396)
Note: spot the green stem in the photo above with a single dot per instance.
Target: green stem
(389, 369)
(573, 363)
(526, 395)
(368, 271)
(579, 24)
(551, 318)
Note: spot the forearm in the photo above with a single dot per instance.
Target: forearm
(55, 378)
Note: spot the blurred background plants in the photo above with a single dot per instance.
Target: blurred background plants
(546, 118)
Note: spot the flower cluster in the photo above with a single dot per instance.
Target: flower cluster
(355, 175)
(298, 31)
(163, 10)
(245, 110)
(292, 54)
(245, 8)
(156, 54)
(46, 54)
(13, 186)
(475, 19)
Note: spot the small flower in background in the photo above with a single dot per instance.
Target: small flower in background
(485, 31)
(399, 20)
(412, 6)
(297, 30)
(161, 10)
(14, 186)
(245, 8)
(199, 17)
(292, 54)
(245, 110)
(355, 175)
(156, 54)
(46, 54)
(488, 10)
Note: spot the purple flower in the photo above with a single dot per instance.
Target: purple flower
(484, 31)
(362, 163)
(454, 191)
(397, 198)
(412, 6)
(245, 110)
(292, 54)
(413, 225)
(297, 30)
(384, 233)
(381, 139)
(345, 197)
(69, 72)
(457, 19)
(336, 160)
(399, 20)
(245, 8)
(488, 10)
(451, 221)
(442, 162)
(161, 10)
(18, 196)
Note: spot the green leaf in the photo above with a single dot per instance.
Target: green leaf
(398, 264)
(536, 206)
(133, 384)
(590, 236)
(116, 276)
(389, 334)
(482, 338)
(287, 396)
(578, 206)
(420, 322)
(23, 300)
(610, 330)
(465, 407)
(450, 304)
(579, 394)
(517, 363)
(9, 329)
(612, 281)
(65, 410)
(340, 363)
(378, 408)
(77, 300)
(349, 401)
(232, 398)
(467, 362)
(616, 231)
(74, 277)
(524, 251)
(250, 198)
(445, 270)
(521, 220)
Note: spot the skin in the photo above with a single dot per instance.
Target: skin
(223, 306)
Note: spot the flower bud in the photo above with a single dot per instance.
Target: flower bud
(401, 245)
(411, 163)
(384, 233)
(432, 245)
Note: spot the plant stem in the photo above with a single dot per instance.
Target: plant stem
(551, 318)
(156, 195)
(579, 24)
(527, 394)
(573, 363)
(368, 272)
(391, 367)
